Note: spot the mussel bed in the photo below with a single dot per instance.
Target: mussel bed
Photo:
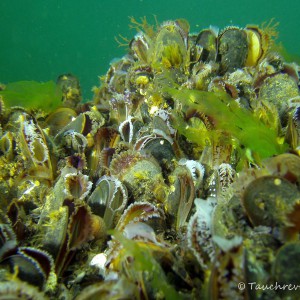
(179, 180)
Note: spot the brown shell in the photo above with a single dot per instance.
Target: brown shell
(268, 199)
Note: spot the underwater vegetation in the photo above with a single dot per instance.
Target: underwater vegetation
(32, 94)
(227, 116)
(179, 180)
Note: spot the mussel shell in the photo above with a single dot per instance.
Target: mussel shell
(29, 271)
(108, 200)
(144, 212)
(207, 40)
(105, 141)
(233, 49)
(8, 241)
(134, 169)
(7, 145)
(181, 198)
(33, 145)
(55, 232)
(82, 124)
(285, 165)
(129, 129)
(77, 186)
(286, 269)
(162, 126)
(60, 118)
(34, 266)
(79, 226)
(278, 90)
(160, 149)
(268, 199)
(139, 46)
(116, 75)
(170, 49)
(16, 290)
(17, 216)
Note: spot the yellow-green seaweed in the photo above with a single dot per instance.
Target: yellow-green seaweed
(32, 95)
(228, 116)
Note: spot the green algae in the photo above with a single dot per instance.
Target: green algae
(145, 263)
(243, 126)
(32, 95)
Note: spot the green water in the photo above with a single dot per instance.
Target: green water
(42, 39)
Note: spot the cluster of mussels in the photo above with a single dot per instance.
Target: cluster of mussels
(180, 180)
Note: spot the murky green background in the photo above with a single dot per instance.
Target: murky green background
(42, 39)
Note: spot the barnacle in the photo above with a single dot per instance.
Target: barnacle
(178, 181)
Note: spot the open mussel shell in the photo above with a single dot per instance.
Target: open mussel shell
(108, 200)
(159, 147)
(162, 124)
(100, 156)
(66, 230)
(129, 129)
(7, 145)
(233, 49)
(60, 118)
(143, 212)
(80, 225)
(78, 134)
(34, 146)
(82, 124)
(79, 126)
(77, 185)
(268, 199)
(256, 50)
(181, 196)
(16, 213)
(116, 75)
(207, 41)
(138, 79)
(139, 47)
(34, 266)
